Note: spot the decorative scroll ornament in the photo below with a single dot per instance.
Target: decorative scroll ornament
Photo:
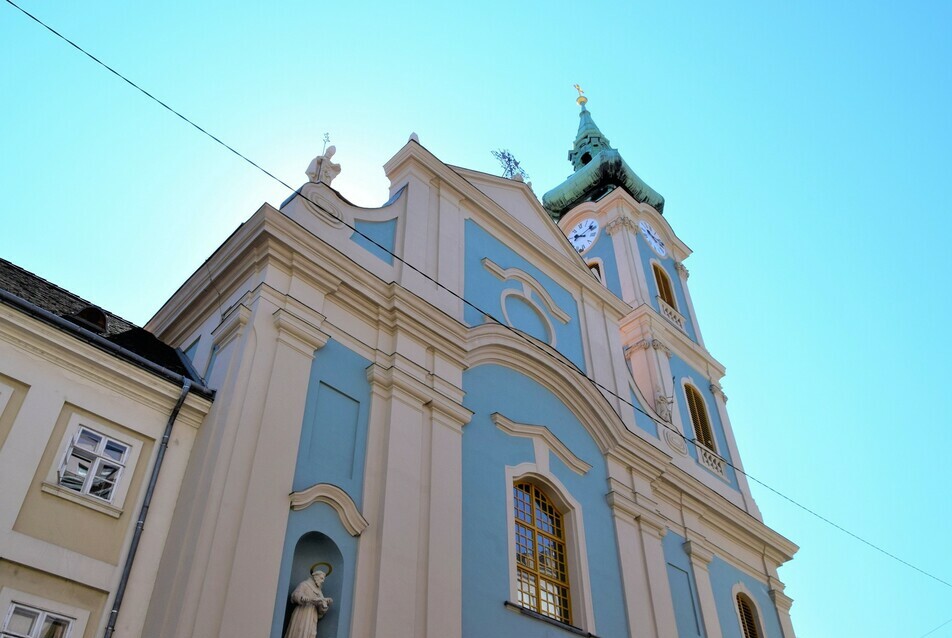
(663, 405)
(322, 169)
(716, 389)
(676, 441)
(682, 269)
(657, 344)
(619, 223)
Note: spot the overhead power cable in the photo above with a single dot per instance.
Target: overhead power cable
(531, 341)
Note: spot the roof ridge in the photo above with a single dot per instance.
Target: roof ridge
(30, 273)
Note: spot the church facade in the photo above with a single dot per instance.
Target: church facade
(487, 415)
(466, 413)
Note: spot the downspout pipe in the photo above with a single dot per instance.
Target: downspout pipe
(144, 511)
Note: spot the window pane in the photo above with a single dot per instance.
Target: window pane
(88, 440)
(525, 553)
(102, 488)
(22, 620)
(74, 474)
(54, 628)
(114, 451)
(527, 590)
(107, 471)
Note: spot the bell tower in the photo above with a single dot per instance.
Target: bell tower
(615, 221)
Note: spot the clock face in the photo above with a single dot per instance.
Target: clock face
(584, 234)
(652, 237)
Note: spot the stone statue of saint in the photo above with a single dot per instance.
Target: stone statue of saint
(310, 604)
(663, 406)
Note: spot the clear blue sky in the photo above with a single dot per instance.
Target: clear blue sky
(803, 150)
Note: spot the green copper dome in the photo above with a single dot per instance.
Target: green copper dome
(598, 169)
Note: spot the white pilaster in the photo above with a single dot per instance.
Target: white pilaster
(264, 517)
(700, 558)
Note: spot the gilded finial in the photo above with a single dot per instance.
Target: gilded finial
(581, 98)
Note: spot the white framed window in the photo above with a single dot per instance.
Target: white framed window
(93, 465)
(24, 621)
(748, 613)
(560, 588)
(27, 615)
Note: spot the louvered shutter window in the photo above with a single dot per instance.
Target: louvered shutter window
(702, 426)
(745, 610)
(665, 290)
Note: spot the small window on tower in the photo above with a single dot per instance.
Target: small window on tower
(698, 410)
(748, 619)
(596, 268)
(586, 158)
(665, 290)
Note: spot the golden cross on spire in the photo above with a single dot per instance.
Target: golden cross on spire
(581, 98)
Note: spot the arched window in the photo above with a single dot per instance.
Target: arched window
(748, 617)
(665, 291)
(702, 425)
(541, 569)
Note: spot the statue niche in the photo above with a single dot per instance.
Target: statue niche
(314, 588)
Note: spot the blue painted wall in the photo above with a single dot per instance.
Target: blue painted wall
(723, 578)
(384, 233)
(337, 547)
(335, 418)
(687, 607)
(486, 453)
(681, 370)
(483, 289)
(332, 450)
(647, 254)
(604, 249)
(642, 420)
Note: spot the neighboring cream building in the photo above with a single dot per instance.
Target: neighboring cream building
(85, 399)
(483, 415)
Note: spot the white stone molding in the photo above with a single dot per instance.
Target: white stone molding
(701, 557)
(494, 344)
(580, 585)
(321, 207)
(77, 616)
(619, 223)
(741, 588)
(641, 528)
(682, 269)
(718, 390)
(529, 286)
(669, 313)
(231, 326)
(600, 264)
(353, 521)
(6, 392)
(783, 603)
(298, 333)
(657, 344)
(543, 442)
(675, 440)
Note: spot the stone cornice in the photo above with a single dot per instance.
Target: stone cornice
(567, 268)
(353, 521)
(298, 333)
(546, 437)
(645, 320)
(47, 343)
(390, 380)
(699, 554)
